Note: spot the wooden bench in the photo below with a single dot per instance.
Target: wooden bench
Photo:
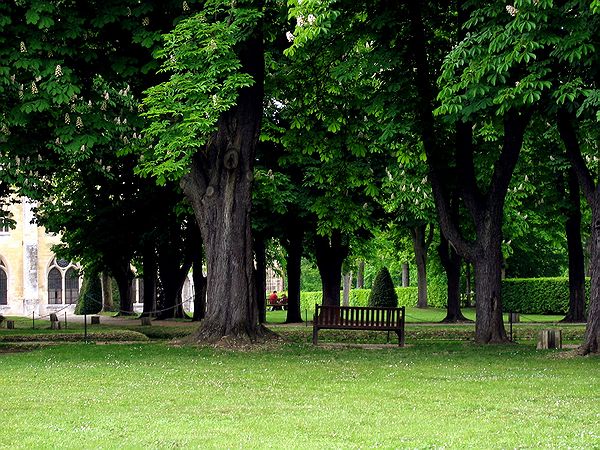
(359, 318)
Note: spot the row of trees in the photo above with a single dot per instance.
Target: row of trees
(311, 122)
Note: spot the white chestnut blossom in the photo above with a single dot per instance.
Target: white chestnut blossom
(290, 37)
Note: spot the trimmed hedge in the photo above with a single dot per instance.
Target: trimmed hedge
(90, 296)
(523, 295)
(538, 295)
(383, 293)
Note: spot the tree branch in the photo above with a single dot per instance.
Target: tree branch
(568, 135)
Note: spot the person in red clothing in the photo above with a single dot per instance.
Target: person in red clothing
(274, 301)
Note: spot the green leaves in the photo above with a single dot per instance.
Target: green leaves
(200, 58)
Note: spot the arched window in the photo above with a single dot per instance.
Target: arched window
(54, 286)
(3, 287)
(71, 286)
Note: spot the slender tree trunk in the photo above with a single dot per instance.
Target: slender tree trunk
(261, 277)
(107, 297)
(331, 253)
(360, 275)
(347, 280)
(576, 312)
(197, 256)
(420, 246)
(172, 277)
(199, 289)
(451, 261)
(219, 188)
(405, 275)
(294, 272)
(149, 279)
(468, 285)
(123, 276)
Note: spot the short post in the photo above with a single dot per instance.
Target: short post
(510, 321)
(95, 320)
(10, 324)
(65, 320)
(33, 320)
(306, 317)
(146, 322)
(85, 328)
(54, 323)
(549, 339)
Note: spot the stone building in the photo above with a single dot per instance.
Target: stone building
(32, 279)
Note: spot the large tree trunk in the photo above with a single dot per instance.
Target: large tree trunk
(451, 261)
(421, 246)
(294, 272)
(149, 279)
(591, 191)
(331, 253)
(107, 297)
(219, 187)
(260, 274)
(591, 340)
(576, 312)
(489, 325)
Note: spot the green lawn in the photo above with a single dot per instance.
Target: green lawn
(418, 315)
(454, 395)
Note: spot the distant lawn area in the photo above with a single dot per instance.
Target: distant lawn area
(420, 315)
(427, 395)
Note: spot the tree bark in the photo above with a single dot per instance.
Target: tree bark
(591, 191)
(124, 276)
(421, 246)
(219, 188)
(405, 275)
(576, 312)
(294, 271)
(347, 285)
(172, 277)
(468, 284)
(149, 279)
(451, 261)
(360, 275)
(260, 275)
(331, 253)
(107, 297)
(199, 288)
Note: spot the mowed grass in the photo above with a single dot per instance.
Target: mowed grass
(425, 315)
(153, 395)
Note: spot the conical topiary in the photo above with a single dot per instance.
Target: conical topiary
(383, 292)
(90, 296)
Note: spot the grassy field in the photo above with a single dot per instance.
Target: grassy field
(450, 394)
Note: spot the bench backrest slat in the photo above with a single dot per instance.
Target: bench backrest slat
(359, 316)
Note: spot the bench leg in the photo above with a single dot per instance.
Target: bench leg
(400, 338)
(315, 335)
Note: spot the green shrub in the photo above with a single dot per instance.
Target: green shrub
(383, 292)
(90, 296)
(537, 295)
(407, 296)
